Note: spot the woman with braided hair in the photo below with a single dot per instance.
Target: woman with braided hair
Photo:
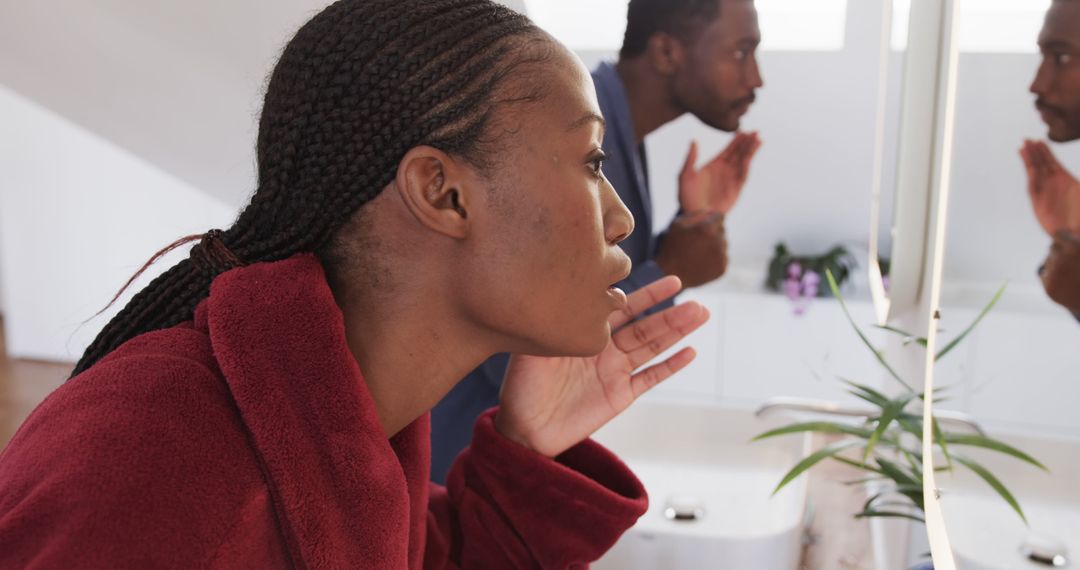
(429, 194)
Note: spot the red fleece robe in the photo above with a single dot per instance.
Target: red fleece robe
(247, 439)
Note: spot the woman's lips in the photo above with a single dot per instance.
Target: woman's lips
(617, 296)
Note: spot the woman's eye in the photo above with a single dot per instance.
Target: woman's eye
(741, 54)
(596, 165)
(1063, 58)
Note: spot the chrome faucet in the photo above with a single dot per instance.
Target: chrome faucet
(835, 409)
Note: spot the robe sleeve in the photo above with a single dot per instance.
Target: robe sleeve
(506, 506)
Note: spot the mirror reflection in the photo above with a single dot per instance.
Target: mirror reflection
(1011, 223)
(827, 116)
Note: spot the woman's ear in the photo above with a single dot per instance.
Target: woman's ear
(432, 185)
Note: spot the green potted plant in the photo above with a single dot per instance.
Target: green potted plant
(786, 267)
(799, 276)
(887, 446)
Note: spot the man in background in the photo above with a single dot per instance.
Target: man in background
(1054, 192)
(678, 57)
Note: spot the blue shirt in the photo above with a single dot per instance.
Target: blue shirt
(627, 170)
(453, 418)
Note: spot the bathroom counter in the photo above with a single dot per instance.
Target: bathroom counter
(838, 541)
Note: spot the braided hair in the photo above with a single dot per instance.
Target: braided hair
(358, 86)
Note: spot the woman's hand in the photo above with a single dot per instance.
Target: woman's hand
(550, 404)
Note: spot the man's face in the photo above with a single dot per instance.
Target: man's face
(720, 75)
(1057, 83)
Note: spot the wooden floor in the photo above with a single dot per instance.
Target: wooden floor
(23, 385)
(836, 540)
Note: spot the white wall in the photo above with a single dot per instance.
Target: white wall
(518, 5)
(177, 83)
(78, 216)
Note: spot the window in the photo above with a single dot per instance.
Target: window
(582, 24)
(900, 19)
(987, 26)
(802, 25)
(1001, 25)
(598, 25)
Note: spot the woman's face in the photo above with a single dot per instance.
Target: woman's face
(547, 254)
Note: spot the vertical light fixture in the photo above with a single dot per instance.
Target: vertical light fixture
(876, 281)
(944, 123)
(924, 171)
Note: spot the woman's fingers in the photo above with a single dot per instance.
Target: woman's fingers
(643, 299)
(643, 381)
(645, 339)
(651, 350)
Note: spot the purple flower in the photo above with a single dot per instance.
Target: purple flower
(810, 282)
(800, 288)
(792, 289)
(794, 270)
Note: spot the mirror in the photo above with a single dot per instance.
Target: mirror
(1015, 374)
(826, 107)
(828, 116)
(883, 189)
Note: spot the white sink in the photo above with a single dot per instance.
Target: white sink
(698, 458)
(987, 534)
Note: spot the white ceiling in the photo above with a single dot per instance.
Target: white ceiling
(177, 83)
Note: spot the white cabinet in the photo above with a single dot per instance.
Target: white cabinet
(755, 347)
(1025, 370)
(769, 351)
(1019, 370)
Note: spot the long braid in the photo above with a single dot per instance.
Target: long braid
(360, 84)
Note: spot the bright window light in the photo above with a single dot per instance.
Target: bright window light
(1002, 25)
(987, 26)
(802, 25)
(595, 25)
(788, 25)
(900, 20)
